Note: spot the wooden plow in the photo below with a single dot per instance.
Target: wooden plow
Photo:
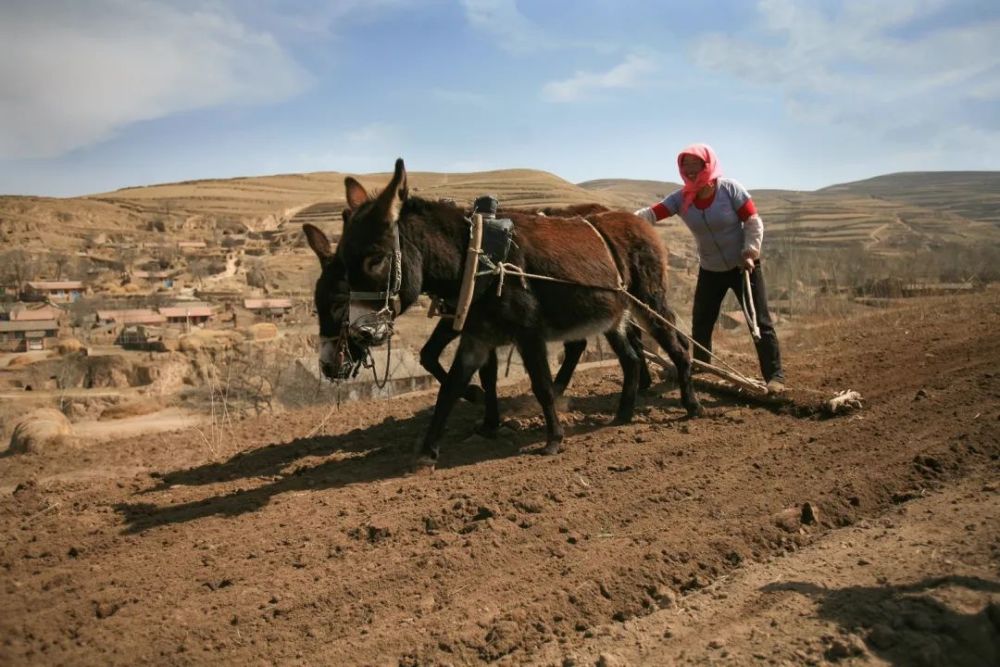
(800, 402)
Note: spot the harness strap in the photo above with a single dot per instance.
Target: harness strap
(505, 267)
(611, 254)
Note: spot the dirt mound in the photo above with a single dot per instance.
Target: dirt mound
(109, 371)
(22, 360)
(39, 431)
(69, 346)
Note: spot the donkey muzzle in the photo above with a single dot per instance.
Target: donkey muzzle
(371, 328)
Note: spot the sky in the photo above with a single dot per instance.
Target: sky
(792, 94)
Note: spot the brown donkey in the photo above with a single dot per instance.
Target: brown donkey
(397, 245)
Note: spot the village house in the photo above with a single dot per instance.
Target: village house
(125, 317)
(56, 291)
(27, 335)
(268, 309)
(30, 312)
(187, 315)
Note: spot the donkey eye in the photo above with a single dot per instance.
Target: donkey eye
(375, 264)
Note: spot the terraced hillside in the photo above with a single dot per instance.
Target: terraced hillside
(197, 209)
(888, 215)
(972, 195)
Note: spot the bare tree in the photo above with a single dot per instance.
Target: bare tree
(61, 261)
(19, 266)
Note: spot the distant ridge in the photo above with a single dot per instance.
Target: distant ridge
(974, 195)
(893, 213)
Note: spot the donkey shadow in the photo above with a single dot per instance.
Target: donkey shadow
(906, 625)
(379, 452)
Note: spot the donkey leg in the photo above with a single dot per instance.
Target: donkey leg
(536, 362)
(635, 339)
(430, 355)
(630, 370)
(678, 352)
(573, 350)
(488, 377)
(471, 355)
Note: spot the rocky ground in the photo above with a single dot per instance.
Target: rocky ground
(757, 534)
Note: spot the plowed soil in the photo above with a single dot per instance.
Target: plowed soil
(752, 535)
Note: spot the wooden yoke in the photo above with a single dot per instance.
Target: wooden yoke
(469, 274)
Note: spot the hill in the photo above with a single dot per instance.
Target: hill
(889, 214)
(892, 215)
(635, 193)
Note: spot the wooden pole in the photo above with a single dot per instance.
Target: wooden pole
(469, 274)
(742, 382)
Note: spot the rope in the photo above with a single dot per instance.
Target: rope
(503, 268)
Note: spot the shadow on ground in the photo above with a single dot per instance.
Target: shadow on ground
(379, 452)
(908, 625)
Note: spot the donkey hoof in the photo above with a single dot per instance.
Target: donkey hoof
(696, 410)
(622, 419)
(552, 448)
(423, 465)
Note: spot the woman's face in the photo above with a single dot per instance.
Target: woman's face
(691, 166)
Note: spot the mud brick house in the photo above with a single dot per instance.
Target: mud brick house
(29, 312)
(126, 317)
(187, 315)
(268, 309)
(27, 335)
(56, 291)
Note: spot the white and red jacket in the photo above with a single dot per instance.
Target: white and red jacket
(725, 225)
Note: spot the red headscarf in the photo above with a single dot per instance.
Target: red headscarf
(704, 177)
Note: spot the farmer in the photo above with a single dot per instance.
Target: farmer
(728, 231)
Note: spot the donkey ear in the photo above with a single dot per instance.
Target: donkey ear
(403, 191)
(318, 242)
(356, 194)
(391, 199)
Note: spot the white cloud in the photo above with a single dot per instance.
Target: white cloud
(633, 73)
(373, 134)
(894, 71)
(509, 28)
(74, 73)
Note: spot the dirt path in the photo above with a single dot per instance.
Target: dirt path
(285, 548)
(170, 419)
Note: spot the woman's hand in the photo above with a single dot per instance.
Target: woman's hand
(748, 260)
(646, 214)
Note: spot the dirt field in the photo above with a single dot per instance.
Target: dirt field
(666, 541)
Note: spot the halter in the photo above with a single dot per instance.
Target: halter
(373, 329)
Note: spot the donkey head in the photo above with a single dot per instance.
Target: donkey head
(369, 241)
(370, 249)
(339, 354)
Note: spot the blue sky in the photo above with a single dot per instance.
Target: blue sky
(795, 94)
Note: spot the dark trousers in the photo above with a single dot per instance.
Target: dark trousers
(708, 295)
